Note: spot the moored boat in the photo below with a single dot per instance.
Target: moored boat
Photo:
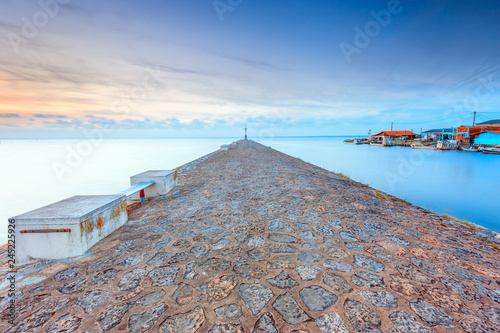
(491, 150)
(353, 141)
(470, 149)
(423, 147)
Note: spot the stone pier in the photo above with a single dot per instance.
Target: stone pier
(253, 240)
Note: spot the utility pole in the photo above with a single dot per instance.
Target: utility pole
(391, 126)
(245, 131)
(474, 120)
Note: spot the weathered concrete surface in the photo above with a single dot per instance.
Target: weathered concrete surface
(253, 240)
(70, 226)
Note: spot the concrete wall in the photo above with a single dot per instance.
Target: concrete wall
(165, 180)
(67, 228)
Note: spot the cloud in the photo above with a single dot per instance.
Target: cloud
(49, 116)
(251, 62)
(10, 115)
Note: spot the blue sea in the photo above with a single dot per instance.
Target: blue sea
(35, 173)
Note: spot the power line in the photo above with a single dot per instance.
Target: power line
(433, 121)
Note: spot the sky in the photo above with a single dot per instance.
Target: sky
(203, 68)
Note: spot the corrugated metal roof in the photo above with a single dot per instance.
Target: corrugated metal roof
(494, 121)
(437, 130)
(395, 133)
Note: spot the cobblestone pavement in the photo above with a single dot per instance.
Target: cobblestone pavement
(253, 240)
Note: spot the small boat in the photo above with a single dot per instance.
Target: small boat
(423, 147)
(470, 149)
(491, 150)
(353, 141)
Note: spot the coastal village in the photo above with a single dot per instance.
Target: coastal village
(482, 137)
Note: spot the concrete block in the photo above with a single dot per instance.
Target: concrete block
(68, 228)
(165, 180)
(224, 147)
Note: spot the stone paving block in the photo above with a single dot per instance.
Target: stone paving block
(112, 316)
(229, 311)
(347, 236)
(362, 318)
(322, 230)
(200, 251)
(374, 227)
(493, 294)
(282, 261)
(163, 276)
(366, 279)
(381, 299)
(265, 324)
(475, 325)
(289, 309)
(405, 323)
(281, 227)
(68, 323)
(311, 246)
(397, 239)
(337, 265)
(337, 283)
(189, 271)
(142, 322)
(301, 226)
(335, 223)
(255, 296)
(307, 236)
(331, 323)
(221, 243)
(368, 263)
(92, 299)
(188, 322)
(431, 315)
(158, 259)
(317, 298)
(309, 257)
(226, 328)
(256, 242)
(307, 272)
(152, 298)
(183, 294)
(249, 272)
(282, 238)
(258, 255)
(218, 288)
(177, 258)
(214, 265)
(105, 277)
(66, 275)
(283, 281)
(282, 248)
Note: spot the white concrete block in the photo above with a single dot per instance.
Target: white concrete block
(67, 228)
(165, 180)
(224, 147)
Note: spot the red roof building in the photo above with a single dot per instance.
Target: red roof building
(395, 134)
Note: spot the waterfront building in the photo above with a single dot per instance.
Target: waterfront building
(434, 134)
(392, 138)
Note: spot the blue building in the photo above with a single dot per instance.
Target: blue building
(487, 139)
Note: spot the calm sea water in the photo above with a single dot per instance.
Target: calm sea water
(34, 173)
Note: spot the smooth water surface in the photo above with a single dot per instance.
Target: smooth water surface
(34, 173)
